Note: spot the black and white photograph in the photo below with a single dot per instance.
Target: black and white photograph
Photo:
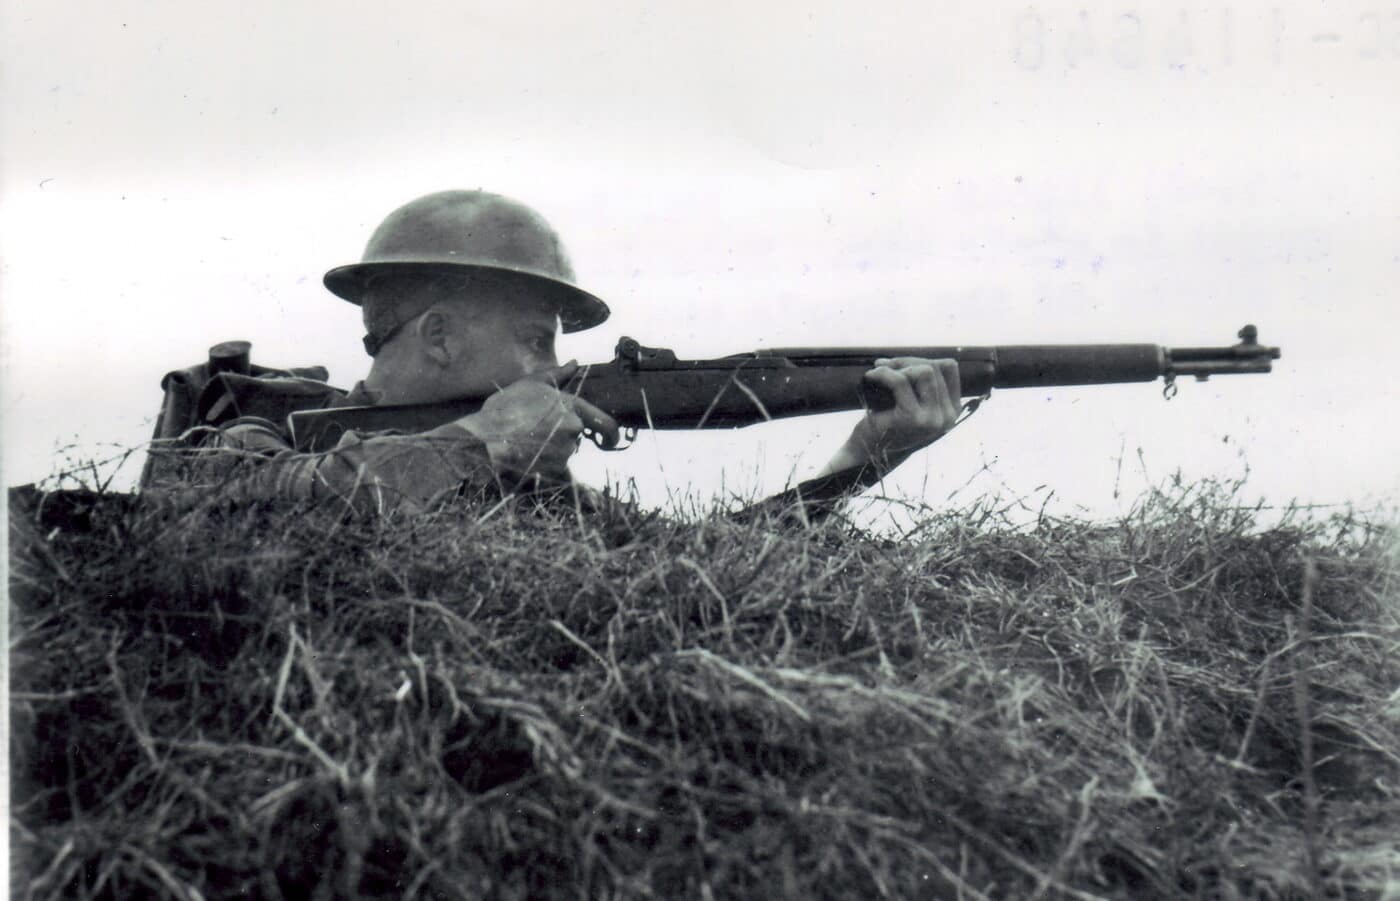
(469, 450)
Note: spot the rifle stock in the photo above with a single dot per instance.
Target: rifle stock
(647, 387)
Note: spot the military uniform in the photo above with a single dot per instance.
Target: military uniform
(225, 430)
(227, 433)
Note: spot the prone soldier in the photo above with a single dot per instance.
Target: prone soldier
(463, 293)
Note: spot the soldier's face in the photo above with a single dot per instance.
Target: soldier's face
(501, 335)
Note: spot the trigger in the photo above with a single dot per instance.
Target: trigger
(600, 440)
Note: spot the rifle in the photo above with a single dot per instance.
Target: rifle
(648, 387)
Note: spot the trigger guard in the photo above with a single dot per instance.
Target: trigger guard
(599, 440)
(627, 435)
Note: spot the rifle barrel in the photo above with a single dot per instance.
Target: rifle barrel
(1058, 365)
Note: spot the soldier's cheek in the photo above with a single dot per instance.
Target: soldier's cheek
(537, 356)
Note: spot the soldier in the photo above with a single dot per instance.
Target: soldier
(462, 293)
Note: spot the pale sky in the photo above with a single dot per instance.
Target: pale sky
(173, 175)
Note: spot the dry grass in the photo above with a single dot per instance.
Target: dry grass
(218, 700)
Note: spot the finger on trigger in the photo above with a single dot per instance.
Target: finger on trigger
(570, 424)
(596, 420)
(897, 384)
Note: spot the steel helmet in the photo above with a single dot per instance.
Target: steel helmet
(457, 231)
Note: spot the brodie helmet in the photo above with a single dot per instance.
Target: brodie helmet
(457, 232)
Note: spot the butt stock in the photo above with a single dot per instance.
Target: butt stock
(649, 387)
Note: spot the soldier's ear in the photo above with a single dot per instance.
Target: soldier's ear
(434, 329)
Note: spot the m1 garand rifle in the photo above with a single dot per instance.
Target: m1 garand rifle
(648, 387)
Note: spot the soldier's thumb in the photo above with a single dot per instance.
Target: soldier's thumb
(555, 376)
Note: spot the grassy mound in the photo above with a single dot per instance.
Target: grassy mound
(214, 700)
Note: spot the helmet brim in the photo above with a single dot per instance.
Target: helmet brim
(578, 310)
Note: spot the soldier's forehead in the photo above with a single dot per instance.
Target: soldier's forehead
(528, 311)
(515, 294)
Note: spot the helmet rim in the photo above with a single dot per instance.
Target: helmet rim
(578, 309)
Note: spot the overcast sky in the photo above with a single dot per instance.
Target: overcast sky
(728, 177)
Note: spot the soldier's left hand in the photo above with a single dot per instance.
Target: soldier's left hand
(928, 401)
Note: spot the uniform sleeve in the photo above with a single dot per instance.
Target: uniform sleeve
(251, 458)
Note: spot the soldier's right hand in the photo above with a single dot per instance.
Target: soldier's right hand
(531, 428)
